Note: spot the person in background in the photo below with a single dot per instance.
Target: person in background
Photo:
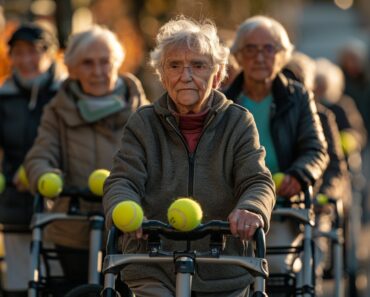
(353, 60)
(35, 79)
(80, 131)
(286, 117)
(191, 142)
(335, 181)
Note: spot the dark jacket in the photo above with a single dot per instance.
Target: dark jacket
(226, 171)
(296, 129)
(335, 182)
(18, 129)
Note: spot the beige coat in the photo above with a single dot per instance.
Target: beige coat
(67, 144)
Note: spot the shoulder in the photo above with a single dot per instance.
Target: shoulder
(8, 88)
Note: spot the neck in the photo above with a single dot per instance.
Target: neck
(257, 90)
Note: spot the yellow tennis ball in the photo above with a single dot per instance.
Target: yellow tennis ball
(128, 216)
(348, 141)
(184, 214)
(2, 182)
(22, 176)
(50, 185)
(322, 199)
(278, 179)
(96, 181)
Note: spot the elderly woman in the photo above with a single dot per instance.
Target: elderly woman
(81, 129)
(34, 81)
(191, 142)
(285, 114)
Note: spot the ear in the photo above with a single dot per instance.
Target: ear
(216, 80)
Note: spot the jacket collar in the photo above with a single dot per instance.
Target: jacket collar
(65, 105)
(282, 91)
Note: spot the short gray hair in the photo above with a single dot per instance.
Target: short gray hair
(198, 37)
(275, 28)
(80, 42)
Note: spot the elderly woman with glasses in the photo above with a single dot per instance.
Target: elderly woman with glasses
(285, 114)
(191, 142)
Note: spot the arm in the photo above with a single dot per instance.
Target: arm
(311, 147)
(45, 154)
(128, 175)
(253, 183)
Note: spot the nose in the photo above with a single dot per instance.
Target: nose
(97, 69)
(186, 74)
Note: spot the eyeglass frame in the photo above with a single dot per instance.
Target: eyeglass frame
(190, 67)
(263, 49)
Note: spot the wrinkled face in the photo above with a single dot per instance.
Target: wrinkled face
(95, 70)
(189, 78)
(260, 56)
(28, 59)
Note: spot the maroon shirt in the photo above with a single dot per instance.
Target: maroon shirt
(191, 126)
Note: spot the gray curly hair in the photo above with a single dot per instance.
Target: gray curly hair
(198, 37)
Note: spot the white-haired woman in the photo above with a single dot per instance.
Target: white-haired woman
(191, 142)
(285, 114)
(80, 130)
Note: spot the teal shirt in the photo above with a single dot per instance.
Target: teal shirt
(261, 114)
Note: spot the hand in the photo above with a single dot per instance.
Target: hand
(289, 187)
(243, 223)
(19, 185)
(138, 234)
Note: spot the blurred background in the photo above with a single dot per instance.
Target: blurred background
(318, 28)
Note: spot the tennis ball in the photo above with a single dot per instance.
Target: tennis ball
(348, 141)
(322, 199)
(96, 181)
(2, 183)
(127, 216)
(21, 172)
(278, 179)
(184, 214)
(50, 185)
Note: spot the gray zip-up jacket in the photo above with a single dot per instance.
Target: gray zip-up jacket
(226, 171)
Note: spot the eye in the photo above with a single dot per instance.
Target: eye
(198, 65)
(174, 65)
(250, 48)
(87, 62)
(269, 48)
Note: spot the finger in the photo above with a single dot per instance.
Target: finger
(233, 225)
(139, 233)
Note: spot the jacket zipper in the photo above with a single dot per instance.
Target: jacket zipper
(190, 155)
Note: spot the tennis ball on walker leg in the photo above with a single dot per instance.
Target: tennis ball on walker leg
(50, 185)
(128, 216)
(96, 181)
(278, 179)
(184, 214)
(2, 182)
(23, 177)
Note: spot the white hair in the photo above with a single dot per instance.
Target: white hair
(333, 78)
(274, 27)
(303, 67)
(79, 43)
(198, 37)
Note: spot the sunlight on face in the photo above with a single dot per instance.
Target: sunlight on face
(189, 78)
(264, 64)
(95, 70)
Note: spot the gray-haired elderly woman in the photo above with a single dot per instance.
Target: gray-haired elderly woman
(81, 129)
(191, 142)
(285, 115)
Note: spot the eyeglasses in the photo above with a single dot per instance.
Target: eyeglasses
(251, 50)
(198, 68)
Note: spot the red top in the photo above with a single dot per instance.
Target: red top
(191, 126)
